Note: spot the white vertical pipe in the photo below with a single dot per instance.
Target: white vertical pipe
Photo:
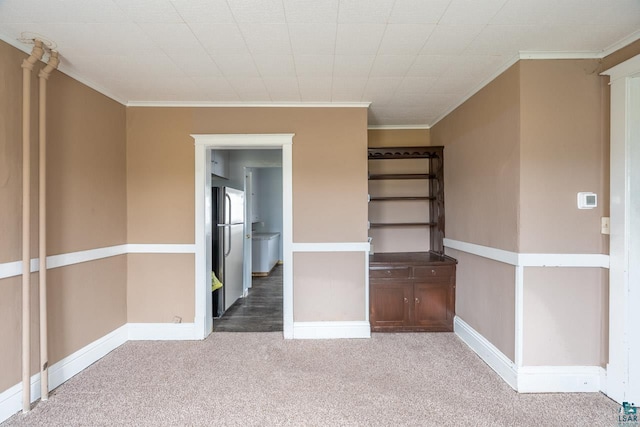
(27, 66)
(43, 75)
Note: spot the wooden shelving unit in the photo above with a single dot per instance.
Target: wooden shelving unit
(434, 176)
(413, 291)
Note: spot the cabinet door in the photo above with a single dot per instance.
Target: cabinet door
(220, 163)
(390, 304)
(433, 305)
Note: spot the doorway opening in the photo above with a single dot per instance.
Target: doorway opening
(279, 145)
(247, 241)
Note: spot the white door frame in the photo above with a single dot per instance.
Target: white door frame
(203, 227)
(623, 369)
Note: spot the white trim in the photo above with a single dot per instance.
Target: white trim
(620, 44)
(528, 259)
(536, 55)
(623, 70)
(26, 48)
(207, 104)
(623, 369)
(560, 379)
(398, 127)
(11, 399)
(203, 145)
(63, 260)
(243, 141)
(500, 255)
(162, 331)
(532, 379)
(504, 67)
(332, 247)
(331, 330)
(287, 242)
(366, 286)
(11, 269)
(539, 55)
(493, 357)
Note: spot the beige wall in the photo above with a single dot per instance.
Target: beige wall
(482, 164)
(565, 317)
(516, 154)
(11, 154)
(156, 279)
(329, 182)
(485, 298)
(562, 148)
(11, 330)
(398, 137)
(86, 197)
(329, 286)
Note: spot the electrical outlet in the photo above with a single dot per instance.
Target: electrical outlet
(177, 319)
(604, 225)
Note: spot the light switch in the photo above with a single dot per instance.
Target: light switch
(604, 227)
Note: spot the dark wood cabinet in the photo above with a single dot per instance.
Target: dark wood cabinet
(412, 292)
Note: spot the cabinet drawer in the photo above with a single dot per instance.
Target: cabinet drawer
(398, 272)
(440, 272)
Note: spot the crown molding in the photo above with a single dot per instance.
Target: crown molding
(559, 55)
(620, 44)
(537, 55)
(504, 67)
(210, 104)
(398, 127)
(26, 48)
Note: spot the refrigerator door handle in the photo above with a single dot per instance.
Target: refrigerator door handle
(228, 221)
(228, 241)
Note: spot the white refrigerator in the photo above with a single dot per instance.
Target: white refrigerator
(228, 215)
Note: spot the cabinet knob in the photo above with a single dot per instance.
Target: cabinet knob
(433, 272)
(406, 300)
(417, 301)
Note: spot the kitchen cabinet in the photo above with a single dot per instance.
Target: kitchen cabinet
(220, 163)
(265, 253)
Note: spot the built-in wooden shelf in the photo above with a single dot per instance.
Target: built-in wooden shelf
(402, 176)
(432, 176)
(399, 198)
(402, 224)
(383, 153)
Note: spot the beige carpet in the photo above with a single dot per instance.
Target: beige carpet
(258, 379)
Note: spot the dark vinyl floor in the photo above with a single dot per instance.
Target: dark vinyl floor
(260, 311)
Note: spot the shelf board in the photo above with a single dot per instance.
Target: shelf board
(401, 176)
(398, 198)
(402, 224)
(380, 153)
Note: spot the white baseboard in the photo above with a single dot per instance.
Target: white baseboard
(161, 331)
(329, 330)
(11, 399)
(560, 379)
(487, 352)
(532, 379)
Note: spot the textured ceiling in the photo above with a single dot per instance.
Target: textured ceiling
(414, 60)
